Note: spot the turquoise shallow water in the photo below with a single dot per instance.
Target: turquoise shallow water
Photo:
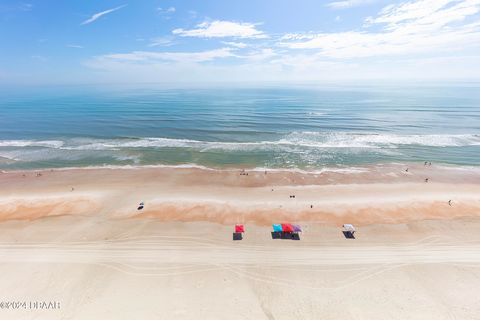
(272, 127)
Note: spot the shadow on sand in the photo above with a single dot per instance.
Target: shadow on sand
(237, 236)
(285, 235)
(348, 235)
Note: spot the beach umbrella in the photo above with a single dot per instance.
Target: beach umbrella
(277, 227)
(287, 227)
(297, 228)
(239, 228)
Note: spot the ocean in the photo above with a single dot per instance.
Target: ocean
(303, 127)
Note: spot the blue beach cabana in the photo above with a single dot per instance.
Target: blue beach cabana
(277, 227)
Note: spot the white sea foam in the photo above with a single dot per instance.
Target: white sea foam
(138, 167)
(291, 141)
(340, 170)
(346, 170)
(31, 143)
(355, 140)
(458, 168)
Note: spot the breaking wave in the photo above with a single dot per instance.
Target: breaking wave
(315, 140)
(56, 144)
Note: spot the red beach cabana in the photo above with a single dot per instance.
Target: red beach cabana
(287, 227)
(239, 228)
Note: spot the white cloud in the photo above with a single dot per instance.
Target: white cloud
(39, 58)
(149, 57)
(221, 29)
(74, 46)
(426, 13)
(167, 10)
(235, 44)
(419, 40)
(15, 6)
(267, 65)
(166, 41)
(25, 6)
(422, 26)
(100, 14)
(348, 4)
(265, 54)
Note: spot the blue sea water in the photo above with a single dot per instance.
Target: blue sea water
(307, 127)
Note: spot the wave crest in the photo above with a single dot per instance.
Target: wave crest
(304, 139)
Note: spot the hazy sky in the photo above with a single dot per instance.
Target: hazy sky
(57, 41)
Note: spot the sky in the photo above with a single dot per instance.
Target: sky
(193, 41)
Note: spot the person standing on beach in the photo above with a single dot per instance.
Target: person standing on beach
(450, 203)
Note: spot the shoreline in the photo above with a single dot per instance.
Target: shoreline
(327, 168)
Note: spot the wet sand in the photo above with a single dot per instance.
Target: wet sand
(381, 194)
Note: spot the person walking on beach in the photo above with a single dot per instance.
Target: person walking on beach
(450, 203)
(426, 179)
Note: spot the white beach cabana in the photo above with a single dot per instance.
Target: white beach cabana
(349, 228)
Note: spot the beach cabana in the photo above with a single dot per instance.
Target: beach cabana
(277, 227)
(349, 228)
(239, 228)
(286, 231)
(297, 228)
(348, 231)
(287, 227)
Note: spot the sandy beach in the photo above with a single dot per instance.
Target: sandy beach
(240, 160)
(368, 195)
(75, 236)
